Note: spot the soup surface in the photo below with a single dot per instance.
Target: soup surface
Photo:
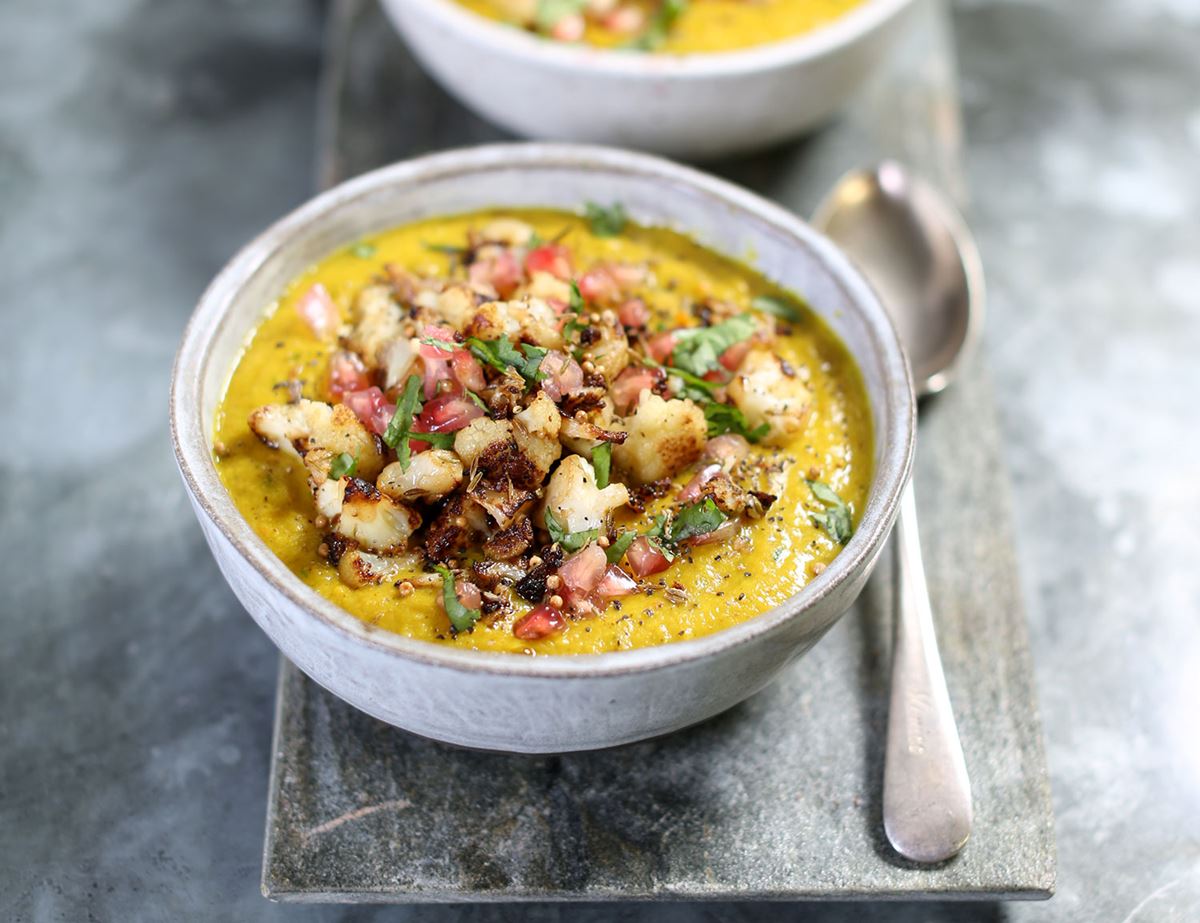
(670, 26)
(546, 433)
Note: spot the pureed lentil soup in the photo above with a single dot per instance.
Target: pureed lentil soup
(669, 26)
(541, 432)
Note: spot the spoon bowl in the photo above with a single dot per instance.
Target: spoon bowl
(916, 250)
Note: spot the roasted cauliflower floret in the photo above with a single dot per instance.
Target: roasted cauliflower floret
(375, 321)
(318, 433)
(375, 522)
(328, 497)
(359, 568)
(430, 475)
(598, 425)
(456, 306)
(609, 351)
(399, 360)
(575, 501)
(531, 319)
(548, 286)
(508, 231)
(535, 430)
(664, 438)
(767, 390)
(474, 440)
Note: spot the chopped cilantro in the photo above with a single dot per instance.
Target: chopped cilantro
(570, 541)
(835, 518)
(699, 349)
(725, 418)
(461, 618)
(653, 535)
(694, 387)
(780, 307)
(550, 12)
(447, 249)
(343, 466)
(363, 250)
(576, 307)
(695, 519)
(602, 462)
(399, 433)
(660, 24)
(502, 355)
(606, 222)
(617, 549)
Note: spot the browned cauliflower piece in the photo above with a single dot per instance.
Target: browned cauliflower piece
(511, 232)
(374, 521)
(548, 286)
(474, 440)
(609, 353)
(359, 568)
(665, 436)
(398, 358)
(430, 475)
(530, 319)
(535, 430)
(767, 390)
(317, 433)
(375, 321)
(575, 501)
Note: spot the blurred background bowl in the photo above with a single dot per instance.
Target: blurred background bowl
(697, 106)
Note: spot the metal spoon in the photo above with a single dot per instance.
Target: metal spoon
(916, 251)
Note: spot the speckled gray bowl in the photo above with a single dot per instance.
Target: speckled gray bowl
(509, 701)
(700, 105)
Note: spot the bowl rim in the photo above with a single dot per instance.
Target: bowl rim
(502, 38)
(195, 462)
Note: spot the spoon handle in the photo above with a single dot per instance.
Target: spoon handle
(926, 792)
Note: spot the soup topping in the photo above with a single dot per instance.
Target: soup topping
(516, 433)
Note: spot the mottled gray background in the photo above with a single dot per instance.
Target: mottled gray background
(141, 143)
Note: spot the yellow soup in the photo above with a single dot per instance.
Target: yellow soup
(671, 26)
(759, 518)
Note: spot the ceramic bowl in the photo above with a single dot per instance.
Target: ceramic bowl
(484, 699)
(695, 106)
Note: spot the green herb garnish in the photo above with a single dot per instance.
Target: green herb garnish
(653, 535)
(835, 518)
(461, 618)
(447, 249)
(502, 355)
(570, 541)
(549, 12)
(699, 349)
(606, 222)
(399, 433)
(476, 400)
(780, 307)
(617, 549)
(725, 418)
(439, 344)
(602, 462)
(660, 25)
(576, 307)
(696, 519)
(343, 466)
(363, 250)
(398, 430)
(694, 386)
